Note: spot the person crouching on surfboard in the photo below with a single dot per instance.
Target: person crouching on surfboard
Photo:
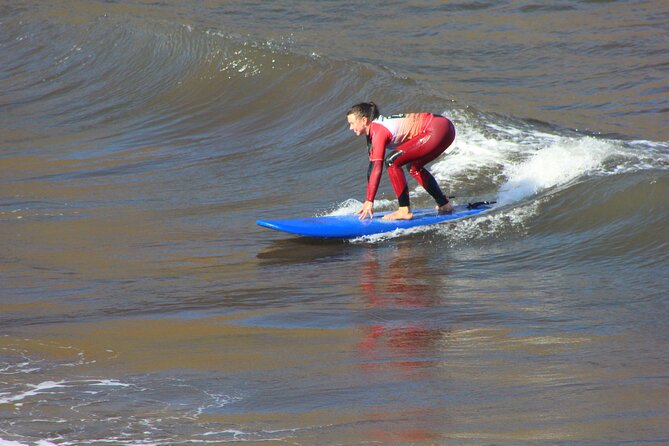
(413, 139)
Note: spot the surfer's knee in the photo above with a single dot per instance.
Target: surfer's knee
(416, 171)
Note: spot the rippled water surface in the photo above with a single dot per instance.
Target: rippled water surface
(141, 305)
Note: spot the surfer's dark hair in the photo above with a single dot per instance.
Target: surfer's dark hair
(367, 109)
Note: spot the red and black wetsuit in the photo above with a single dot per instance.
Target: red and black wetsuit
(415, 139)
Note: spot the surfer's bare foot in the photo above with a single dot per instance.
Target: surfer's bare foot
(403, 213)
(445, 209)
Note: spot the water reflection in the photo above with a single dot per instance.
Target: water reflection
(404, 336)
(398, 290)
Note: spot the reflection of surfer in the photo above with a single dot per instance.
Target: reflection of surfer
(414, 139)
(404, 344)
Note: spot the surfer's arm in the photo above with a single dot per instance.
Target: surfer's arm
(379, 138)
(374, 178)
(373, 181)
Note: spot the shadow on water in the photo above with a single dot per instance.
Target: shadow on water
(305, 250)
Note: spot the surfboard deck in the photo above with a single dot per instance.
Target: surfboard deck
(350, 226)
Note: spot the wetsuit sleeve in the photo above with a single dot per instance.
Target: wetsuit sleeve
(380, 137)
(374, 178)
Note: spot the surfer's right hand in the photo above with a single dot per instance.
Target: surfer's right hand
(366, 210)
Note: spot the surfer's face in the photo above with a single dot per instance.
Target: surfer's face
(358, 124)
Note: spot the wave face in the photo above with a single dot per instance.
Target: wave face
(140, 141)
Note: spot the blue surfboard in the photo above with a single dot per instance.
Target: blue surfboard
(350, 226)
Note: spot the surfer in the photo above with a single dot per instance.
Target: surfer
(413, 139)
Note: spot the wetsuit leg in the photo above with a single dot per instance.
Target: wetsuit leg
(397, 179)
(430, 184)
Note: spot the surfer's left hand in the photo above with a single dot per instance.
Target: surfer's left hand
(366, 210)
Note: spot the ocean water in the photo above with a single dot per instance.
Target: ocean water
(141, 305)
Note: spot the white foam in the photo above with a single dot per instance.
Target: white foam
(558, 164)
(10, 443)
(348, 207)
(490, 224)
(351, 206)
(46, 386)
(377, 238)
(35, 390)
(108, 382)
(471, 152)
(16, 443)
